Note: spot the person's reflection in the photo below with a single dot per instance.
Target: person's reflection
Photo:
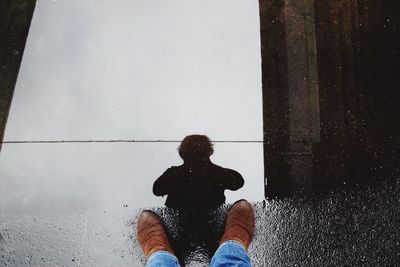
(198, 184)
(195, 195)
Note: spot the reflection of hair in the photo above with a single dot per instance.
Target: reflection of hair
(195, 147)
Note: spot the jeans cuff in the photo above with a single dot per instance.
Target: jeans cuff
(233, 242)
(161, 252)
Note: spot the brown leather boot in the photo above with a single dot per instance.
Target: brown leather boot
(240, 223)
(151, 234)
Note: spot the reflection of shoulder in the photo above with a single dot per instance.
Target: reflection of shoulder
(217, 167)
(172, 170)
(176, 168)
(232, 173)
(226, 170)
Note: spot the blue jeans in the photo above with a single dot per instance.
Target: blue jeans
(231, 253)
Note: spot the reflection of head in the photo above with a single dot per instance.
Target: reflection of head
(196, 147)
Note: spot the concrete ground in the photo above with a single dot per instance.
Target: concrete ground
(352, 228)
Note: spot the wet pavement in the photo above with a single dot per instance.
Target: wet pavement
(350, 228)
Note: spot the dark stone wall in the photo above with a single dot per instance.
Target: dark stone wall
(358, 58)
(275, 98)
(352, 115)
(15, 19)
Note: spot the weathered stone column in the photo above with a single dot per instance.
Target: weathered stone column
(290, 95)
(330, 93)
(303, 98)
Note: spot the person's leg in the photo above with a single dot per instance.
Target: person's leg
(239, 230)
(154, 241)
(231, 253)
(162, 258)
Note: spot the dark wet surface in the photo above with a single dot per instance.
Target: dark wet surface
(352, 228)
(194, 236)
